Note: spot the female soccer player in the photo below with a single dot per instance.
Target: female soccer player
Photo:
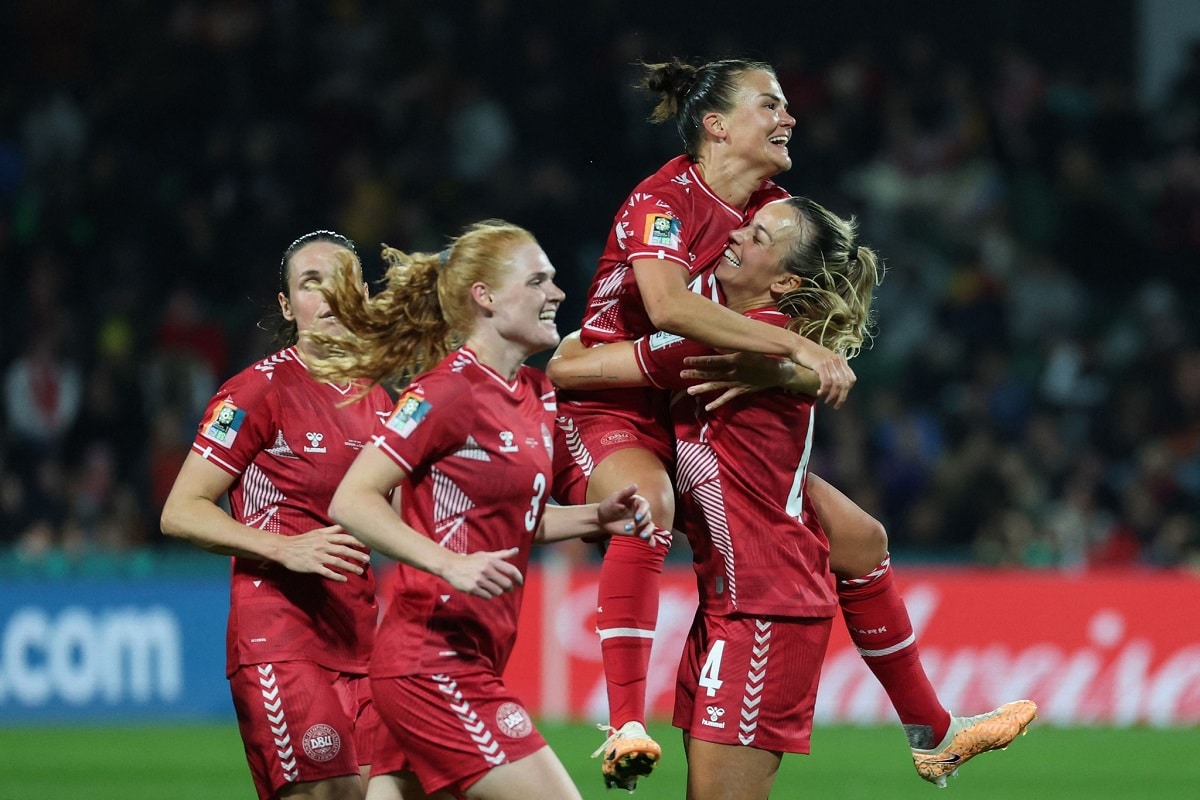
(302, 608)
(470, 441)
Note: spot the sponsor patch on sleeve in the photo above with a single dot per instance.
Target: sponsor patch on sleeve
(410, 410)
(223, 423)
(662, 230)
(661, 339)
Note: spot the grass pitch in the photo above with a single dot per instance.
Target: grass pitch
(187, 762)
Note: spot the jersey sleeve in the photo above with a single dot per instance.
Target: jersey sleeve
(238, 422)
(660, 357)
(651, 228)
(432, 418)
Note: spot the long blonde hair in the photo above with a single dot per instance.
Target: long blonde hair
(424, 312)
(833, 306)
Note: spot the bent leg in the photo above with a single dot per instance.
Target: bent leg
(857, 541)
(875, 613)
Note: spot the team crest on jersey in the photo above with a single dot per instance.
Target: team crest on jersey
(409, 412)
(223, 424)
(662, 229)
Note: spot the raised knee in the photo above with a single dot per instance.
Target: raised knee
(876, 543)
(856, 555)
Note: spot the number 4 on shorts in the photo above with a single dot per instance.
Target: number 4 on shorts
(710, 674)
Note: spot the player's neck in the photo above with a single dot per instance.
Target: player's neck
(498, 354)
(743, 305)
(729, 180)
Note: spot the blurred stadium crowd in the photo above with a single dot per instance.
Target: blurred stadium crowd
(1032, 397)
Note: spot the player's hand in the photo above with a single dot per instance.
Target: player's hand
(485, 574)
(626, 513)
(732, 374)
(329, 552)
(837, 379)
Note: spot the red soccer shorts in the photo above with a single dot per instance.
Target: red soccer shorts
(751, 681)
(584, 437)
(450, 730)
(301, 722)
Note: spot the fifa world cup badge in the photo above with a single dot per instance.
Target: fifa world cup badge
(223, 423)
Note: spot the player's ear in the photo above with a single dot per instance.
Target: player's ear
(285, 308)
(786, 283)
(714, 125)
(482, 295)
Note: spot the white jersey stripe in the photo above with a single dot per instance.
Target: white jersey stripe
(697, 473)
(258, 493)
(382, 444)
(712, 501)
(209, 454)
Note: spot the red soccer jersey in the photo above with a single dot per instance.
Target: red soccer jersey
(477, 450)
(757, 545)
(671, 216)
(289, 442)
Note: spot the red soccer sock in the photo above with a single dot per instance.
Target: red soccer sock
(880, 628)
(626, 615)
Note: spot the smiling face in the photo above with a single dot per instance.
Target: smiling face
(753, 260)
(526, 300)
(310, 270)
(758, 128)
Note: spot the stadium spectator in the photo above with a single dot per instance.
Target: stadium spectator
(180, 133)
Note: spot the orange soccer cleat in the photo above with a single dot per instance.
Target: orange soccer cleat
(629, 753)
(970, 736)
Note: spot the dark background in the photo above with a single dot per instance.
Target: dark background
(1033, 396)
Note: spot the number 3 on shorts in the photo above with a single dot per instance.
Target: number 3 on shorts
(710, 673)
